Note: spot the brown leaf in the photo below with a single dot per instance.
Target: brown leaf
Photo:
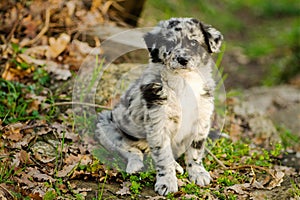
(125, 189)
(240, 188)
(35, 196)
(57, 46)
(25, 180)
(31, 26)
(276, 181)
(38, 175)
(5, 193)
(12, 132)
(61, 72)
(66, 170)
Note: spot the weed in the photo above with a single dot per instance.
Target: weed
(102, 188)
(241, 153)
(191, 188)
(287, 137)
(6, 171)
(41, 76)
(295, 189)
(50, 195)
(59, 154)
(14, 102)
(135, 184)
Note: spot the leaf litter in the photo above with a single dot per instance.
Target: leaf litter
(47, 156)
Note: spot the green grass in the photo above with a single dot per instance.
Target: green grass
(6, 171)
(15, 103)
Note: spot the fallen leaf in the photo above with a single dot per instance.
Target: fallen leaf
(25, 179)
(31, 26)
(157, 198)
(72, 159)
(5, 192)
(125, 189)
(12, 132)
(57, 46)
(276, 181)
(240, 188)
(44, 151)
(66, 170)
(61, 72)
(84, 48)
(36, 174)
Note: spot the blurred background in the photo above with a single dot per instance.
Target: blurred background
(43, 44)
(262, 38)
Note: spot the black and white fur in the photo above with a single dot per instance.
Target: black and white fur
(168, 110)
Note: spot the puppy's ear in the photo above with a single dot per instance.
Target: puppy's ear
(151, 39)
(213, 38)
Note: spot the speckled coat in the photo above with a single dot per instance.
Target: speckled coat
(168, 110)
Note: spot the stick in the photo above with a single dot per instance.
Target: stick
(216, 159)
(255, 167)
(41, 33)
(79, 103)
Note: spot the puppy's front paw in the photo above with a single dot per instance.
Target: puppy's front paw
(166, 184)
(134, 165)
(199, 175)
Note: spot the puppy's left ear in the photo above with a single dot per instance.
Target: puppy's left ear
(151, 39)
(213, 38)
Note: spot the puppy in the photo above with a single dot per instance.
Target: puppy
(168, 110)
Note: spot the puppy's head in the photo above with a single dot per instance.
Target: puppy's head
(182, 43)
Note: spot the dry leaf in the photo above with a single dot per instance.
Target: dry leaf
(25, 179)
(240, 188)
(125, 189)
(12, 132)
(157, 198)
(36, 174)
(276, 181)
(84, 48)
(66, 170)
(57, 46)
(61, 72)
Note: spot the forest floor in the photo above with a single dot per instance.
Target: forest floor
(46, 151)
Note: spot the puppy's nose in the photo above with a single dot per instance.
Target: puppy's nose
(182, 61)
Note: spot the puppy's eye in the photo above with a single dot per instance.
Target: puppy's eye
(193, 42)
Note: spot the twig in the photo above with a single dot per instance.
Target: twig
(79, 103)
(12, 31)
(255, 167)
(6, 190)
(216, 159)
(33, 126)
(41, 33)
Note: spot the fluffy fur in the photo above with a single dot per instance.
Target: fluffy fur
(168, 110)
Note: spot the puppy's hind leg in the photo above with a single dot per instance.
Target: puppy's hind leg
(112, 138)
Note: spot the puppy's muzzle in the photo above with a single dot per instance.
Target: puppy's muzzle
(182, 60)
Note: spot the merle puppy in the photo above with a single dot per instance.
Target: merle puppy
(168, 110)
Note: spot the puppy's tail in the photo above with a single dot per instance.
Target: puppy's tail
(106, 131)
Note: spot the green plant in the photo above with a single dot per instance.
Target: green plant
(59, 154)
(6, 171)
(41, 76)
(287, 137)
(102, 188)
(135, 184)
(50, 195)
(15, 103)
(191, 188)
(295, 189)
